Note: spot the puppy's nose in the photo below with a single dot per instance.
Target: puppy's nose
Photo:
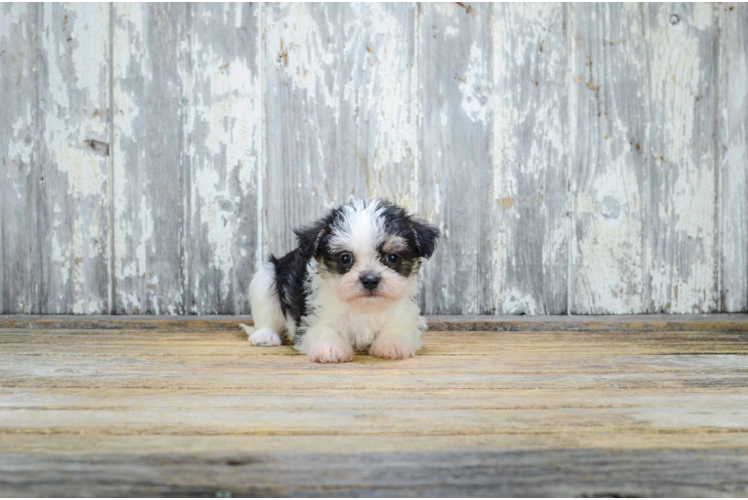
(370, 281)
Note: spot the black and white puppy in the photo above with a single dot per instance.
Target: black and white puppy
(349, 286)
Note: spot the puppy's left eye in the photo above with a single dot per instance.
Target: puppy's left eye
(392, 258)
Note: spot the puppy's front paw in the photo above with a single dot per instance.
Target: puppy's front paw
(330, 352)
(391, 349)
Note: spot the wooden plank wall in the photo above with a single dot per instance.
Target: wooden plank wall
(579, 158)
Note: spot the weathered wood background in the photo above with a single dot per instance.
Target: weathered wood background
(580, 159)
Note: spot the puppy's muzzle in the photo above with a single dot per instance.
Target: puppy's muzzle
(370, 281)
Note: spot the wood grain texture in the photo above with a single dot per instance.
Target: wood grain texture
(126, 446)
(72, 347)
(340, 118)
(526, 238)
(454, 67)
(196, 412)
(733, 115)
(223, 134)
(150, 58)
(608, 142)
(623, 323)
(20, 249)
(568, 473)
(682, 223)
(74, 155)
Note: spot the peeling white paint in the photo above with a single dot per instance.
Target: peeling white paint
(125, 113)
(734, 168)
(8, 20)
(355, 72)
(702, 16)
(299, 41)
(64, 134)
(476, 92)
(518, 303)
(395, 137)
(18, 160)
(19, 147)
(146, 231)
(230, 117)
(74, 43)
(91, 34)
(682, 279)
(528, 155)
(608, 190)
(223, 146)
(217, 223)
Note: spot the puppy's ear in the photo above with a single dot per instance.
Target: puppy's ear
(309, 237)
(426, 237)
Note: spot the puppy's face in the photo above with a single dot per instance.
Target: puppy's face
(368, 252)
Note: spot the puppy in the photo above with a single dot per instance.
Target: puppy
(349, 286)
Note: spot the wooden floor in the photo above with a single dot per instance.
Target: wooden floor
(646, 406)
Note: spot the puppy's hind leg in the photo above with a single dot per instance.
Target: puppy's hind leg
(266, 311)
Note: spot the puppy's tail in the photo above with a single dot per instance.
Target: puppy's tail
(249, 330)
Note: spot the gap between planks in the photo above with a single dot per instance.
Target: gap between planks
(654, 322)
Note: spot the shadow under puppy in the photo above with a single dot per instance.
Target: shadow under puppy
(350, 285)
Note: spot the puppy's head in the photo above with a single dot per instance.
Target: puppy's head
(370, 252)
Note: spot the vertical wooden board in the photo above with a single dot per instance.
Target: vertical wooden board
(525, 239)
(608, 143)
(682, 206)
(339, 110)
(733, 108)
(20, 258)
(455, 81)
(223, 134)
(74, 153)
(150, 51)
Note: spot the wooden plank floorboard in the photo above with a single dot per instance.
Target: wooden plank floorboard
(650, 322)
(456, 473)
(90, 409)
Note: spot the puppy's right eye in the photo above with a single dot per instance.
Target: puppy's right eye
(346, 259)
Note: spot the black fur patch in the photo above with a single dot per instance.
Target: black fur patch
(290, 276)
(405, 266)
(420, 236)
(331, 261)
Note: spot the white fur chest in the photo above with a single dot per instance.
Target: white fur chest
(360, 329)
